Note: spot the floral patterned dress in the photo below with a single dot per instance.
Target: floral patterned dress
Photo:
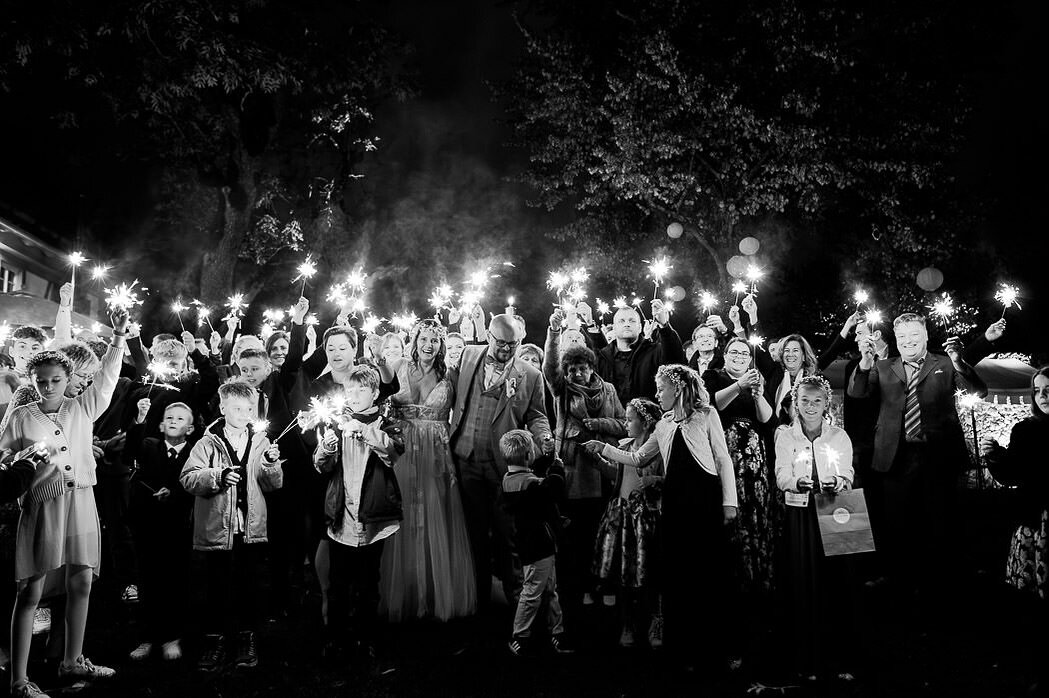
(755, 520)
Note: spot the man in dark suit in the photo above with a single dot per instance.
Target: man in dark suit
(919, 449)
(495, 392)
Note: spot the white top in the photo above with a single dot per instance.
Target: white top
(706, 444)
(832, 452)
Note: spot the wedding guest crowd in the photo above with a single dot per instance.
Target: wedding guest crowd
(679, 483)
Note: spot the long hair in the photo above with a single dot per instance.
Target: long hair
(815, 382)
(809, 365)
(693, 393)
(1043, 371)
(439, 366)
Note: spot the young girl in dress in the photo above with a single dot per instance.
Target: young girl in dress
(58, 541)
(626, 552)
(699, 500)
(813, 458)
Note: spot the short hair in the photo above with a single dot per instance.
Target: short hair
(365, 375)
(272, 339)
(908, 317)
(30, 332)
(252, 353)
(49, 358)
(237, 388)
(577, 355)
(532, 349)
(169, 349)
(740, 340)
(457, 335)
(350, 333)
(80, 356)
(99, 346)
(243, 343)
(386, 340)
(180, 405)
(631, 308)
(516, 446)
(163, 336)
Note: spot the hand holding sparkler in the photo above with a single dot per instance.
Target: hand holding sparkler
(301, 307)
(65, 296)
(708, 300)
(143, 406)
(850, 324)
(660, 312)
(754, 274)
(118, 319)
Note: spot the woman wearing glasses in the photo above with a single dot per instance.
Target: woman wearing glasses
(739, 397)
(427, 568)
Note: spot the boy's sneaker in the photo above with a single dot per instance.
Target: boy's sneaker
(626, 638)
(558, 645)
(247, 655)
(82, 668)
(130, 594)
(516, 646)
(41, 620)
(141, 652)
(655, 632)
(27, 689)
(213, 655)
(171, 651)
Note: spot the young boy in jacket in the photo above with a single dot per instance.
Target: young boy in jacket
(362, 508)
(532, 501)
(227, 471)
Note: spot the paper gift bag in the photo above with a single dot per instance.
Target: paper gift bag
(845, 526)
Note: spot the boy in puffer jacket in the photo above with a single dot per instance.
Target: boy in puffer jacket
(228, 470)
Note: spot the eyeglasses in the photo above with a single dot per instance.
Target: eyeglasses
(503, 345)
(737, 353)
(84, 376)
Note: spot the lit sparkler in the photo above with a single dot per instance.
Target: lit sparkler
(177, 308)
(371, 323)
(754, 274)
(306, 272)
(236, 306)
(658, 269)
(260, 426)
(873, 318)
(620, 302)
(602, 308)
(833, 457)
(1007, 295)
(122, 297)
(860, 297)
(707, 300)
(75, 260)
(943, 308)
(738, 287)
(98, 273)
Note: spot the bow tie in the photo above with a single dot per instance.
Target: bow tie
(489, 361)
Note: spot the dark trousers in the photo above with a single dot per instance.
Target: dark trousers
(112, 495)
(286, 520)
(353, 601)
(232, 584)
(917, 499)
(163, 561)
(575, 553)
(491, 529)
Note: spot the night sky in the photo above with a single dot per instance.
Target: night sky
(61, 179)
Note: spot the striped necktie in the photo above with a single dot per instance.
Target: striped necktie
(912, 414)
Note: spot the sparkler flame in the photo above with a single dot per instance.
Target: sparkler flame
(76, 259)
(602, 308)
(620, 302)
(1007, 295)
(754, 273)
(260, 426)
(873, 317)
(707, 300)
(739, 287)
(860, 296)
(756, 340)
(122, 297)
(306, 270)
(371, 323)
(943, 308)
(99, 272)
(236, 305)
(658, 269)
(968, 400)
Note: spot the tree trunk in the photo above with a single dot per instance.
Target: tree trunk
(705, 244)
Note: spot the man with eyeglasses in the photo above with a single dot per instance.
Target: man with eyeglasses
(495, 392)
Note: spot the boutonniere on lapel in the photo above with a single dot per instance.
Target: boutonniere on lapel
(511, 387)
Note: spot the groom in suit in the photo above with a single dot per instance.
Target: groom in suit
(495, 392)
(919, 448)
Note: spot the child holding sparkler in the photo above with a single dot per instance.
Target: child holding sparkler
(812, 457)
(626, 549)
(227, 471)
(58, 539)
(362, 508)
(159, 515)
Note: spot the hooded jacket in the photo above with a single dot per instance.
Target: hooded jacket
(215, 508)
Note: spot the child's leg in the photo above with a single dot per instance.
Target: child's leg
(78, 592)
(554, 617)
(217, 616)
(248, 565)
(367, 562)
(26, 601)
(531, 597)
